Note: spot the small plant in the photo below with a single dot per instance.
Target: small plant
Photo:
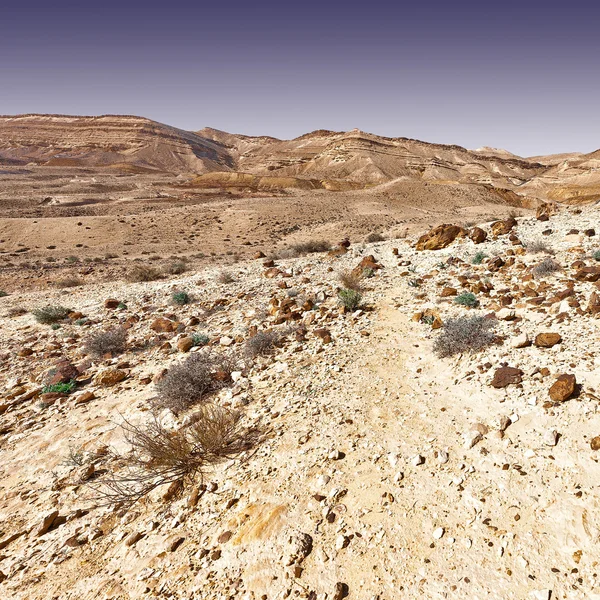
(122, 306)
(181, 298)
(442, 265)
(467, 299)
(141, 273)
(478, 258)
(3, 294)
(428, 319)
(596, 255)
(262, 344)
(350, 299)
(48, 315)
(538, 246)
(176, 268)
(111, 341)
(82, 321)
(75, 458)
(350, 281)
(374, 237)
(412, 269)
(415, 283)
(546, 267)
(68, 282)
(55, 326)
(309, 247)
(367, 273)
(191, 380)
(60, 388)
(200, 339)
(72, 259)
(465, 334)
(225, 277)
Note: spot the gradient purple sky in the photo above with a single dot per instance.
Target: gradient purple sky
(524, 76)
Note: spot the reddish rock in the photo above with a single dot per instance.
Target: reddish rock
(593, 307)
(368, 262)
(440, 237)
(505, 376)
(162, 325)
(184, 344)
(323, 334)
(449, 291)
(23, 352)
(62, 372)
(111, 303)
(259, 254)
(547, 340)
(477, 235)
(563, 388)
(503, 227)
(495, 264)
(272, 272)
(595, 443)
(109, 377)
(588, 274)
(268, 263)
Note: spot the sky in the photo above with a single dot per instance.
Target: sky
(524, 76)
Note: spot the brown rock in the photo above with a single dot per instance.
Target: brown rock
(111, 303)
(547, 340)
(449, 291)
(588, 274)
(323, 334)
(109, 377)
(184, 344)
(545, 210)
(85, 397)
(133, 538)
(595, 443)
(477, 235)
(563, 388)
(368, 262)
(62, 372)
(23, 352)
(505, 376)
(593, 307)
(503, 227)
(272, 272)
(439, 237)
(495, 264)
(46, 523)
(162, 325)
(259, 254)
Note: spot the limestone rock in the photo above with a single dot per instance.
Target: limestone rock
(439, 237)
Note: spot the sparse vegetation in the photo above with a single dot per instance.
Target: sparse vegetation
(111, 341)
(48, 315)
(225, 277)
(142, 273)
(175, 268)
(181, 298)
(374, 237)
(191, 380)
(16, 311)
(262, 344)
(415, 283)
(200, 339)
(546, 267)
(367, 273)
(3, 294)
(68, 282)
(350, 281)
(467, 299)
(596, 255)
(350, 299)
(538, 246)
(309, 247)
(159, 455)
(465, 334)
(60, 388)
(478, 258)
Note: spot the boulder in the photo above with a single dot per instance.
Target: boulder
(563, 388)
(547, 340)
(440, 237)
(503, 227)
(505, 376)
(477, 235)
(162, 325)
(111, 303)
(62, 372)
(109, 377)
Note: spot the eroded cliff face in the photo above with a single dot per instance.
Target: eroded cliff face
(107, 140)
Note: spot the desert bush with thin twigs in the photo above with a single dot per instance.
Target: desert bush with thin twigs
(111, 341)
(350, 281)
(538, 247)
(374, 237)
(48, 315)
(225, 277)
(175, 268)
(189, 382)
(142, 273)
(350, 299)
(465, 334)
(546, 267)
(160, 456)
(302, 249)
(68, 282)
(262, 344)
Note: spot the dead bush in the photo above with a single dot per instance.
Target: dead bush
(538, 246)
(465, 334)
(68, 282)
(190, 381)
(159, 456)
(262, 344)
(374, 237)
(142, 273)
(111, 341)
(225, 277)
(175, 268)
(350, 281)
(546, 267)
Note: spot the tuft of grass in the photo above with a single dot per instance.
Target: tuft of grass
(596, 255)
(350, 281)
(415, 283)
(467, 299)
(479, 258)
(225, 277)
(68, 282)
(200, 339)
(538, 246)
(465, 334)
(442, 265)
(47, 315)
(61, 388)
(309, 247)
(374, 237)
(181, 298)
(191, 380)
(546, 267)
(142, 273)
(175, 268)
(262, 344)
(350, 299)
(367, 273)
(111, 341)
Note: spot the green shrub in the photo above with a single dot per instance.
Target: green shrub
(350, 299)
(465, 334)
(3, 293)
(50, 314)
(478, 258)
(467, 299)
(596, 255)
(200, 339)
(415, 283)
(61, 388)
(181, 298)
(368, 273)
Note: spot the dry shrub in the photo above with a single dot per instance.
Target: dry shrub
(302, 249)
(546, 267)
(141, 273)
(161, 456)
(111, 341)
(262, 344)
(465, 334)
(16, 311)
(175, 268)
(68, 282)
(350, 281)
(225, 277)
(374, 237)
(538, 246)
(190, 381)
(50, 314)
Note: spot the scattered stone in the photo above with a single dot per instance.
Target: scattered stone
(46, 523)
(547, 340)
(110, 376)
(505, 376)
(439, 237)
(563, 388)
(438, 533)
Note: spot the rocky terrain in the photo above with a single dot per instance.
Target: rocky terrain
(425, 409)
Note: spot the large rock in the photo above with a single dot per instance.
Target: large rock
(503, 227)
(563, 388)
(110, 376)
(505, 376)
(587, 274)
(477, 235)
(547, 340)
(440, 237)
(368, 263)
(162, 325)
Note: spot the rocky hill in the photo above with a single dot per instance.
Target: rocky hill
(408, 418)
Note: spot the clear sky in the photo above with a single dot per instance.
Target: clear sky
(524, 75)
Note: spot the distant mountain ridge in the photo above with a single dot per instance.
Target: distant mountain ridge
(329, 159)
